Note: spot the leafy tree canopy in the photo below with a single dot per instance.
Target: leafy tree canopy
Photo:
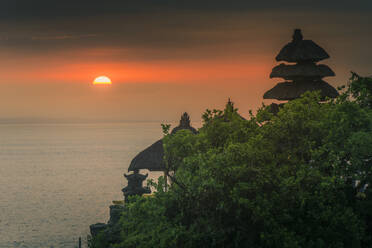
(295, 179)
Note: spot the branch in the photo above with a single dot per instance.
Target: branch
(174, 180)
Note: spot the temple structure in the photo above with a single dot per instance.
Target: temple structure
(152, 157)
(184, 124)
(134, 187)
(305, 74)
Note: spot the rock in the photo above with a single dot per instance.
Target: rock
(115, 213)
(111, 230)
(96, 228)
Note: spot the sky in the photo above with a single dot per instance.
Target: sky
(164, 57)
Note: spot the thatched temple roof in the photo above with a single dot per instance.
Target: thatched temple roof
(303, 76)
(299, 50)
(293, 90)
(152, 157)
(292, 72)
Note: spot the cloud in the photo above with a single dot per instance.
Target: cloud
(187, 35)
(46, 9)
(64, 37)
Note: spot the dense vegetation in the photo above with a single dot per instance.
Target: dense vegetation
(295, 179)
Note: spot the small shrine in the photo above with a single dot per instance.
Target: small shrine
(305, 74)
(135, 185)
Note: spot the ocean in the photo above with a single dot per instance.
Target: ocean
(58, 178)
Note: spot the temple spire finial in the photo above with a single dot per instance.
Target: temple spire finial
(297, 35)
(229, 102)
(230, 105)
(185, 120)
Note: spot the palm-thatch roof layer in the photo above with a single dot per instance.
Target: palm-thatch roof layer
(300, 50)
(305, 70)
(151, 158)
(292, 90)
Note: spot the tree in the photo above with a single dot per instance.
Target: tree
(295, 179)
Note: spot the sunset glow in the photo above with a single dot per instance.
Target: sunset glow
(102, 80)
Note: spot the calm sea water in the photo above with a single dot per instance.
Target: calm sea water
(57, 179)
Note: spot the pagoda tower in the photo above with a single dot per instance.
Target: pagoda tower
(305, 74)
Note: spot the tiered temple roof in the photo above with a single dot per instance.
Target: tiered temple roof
(303, 76)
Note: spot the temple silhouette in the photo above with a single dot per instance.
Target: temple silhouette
(300, 72)
(305, 74)
(152, 159)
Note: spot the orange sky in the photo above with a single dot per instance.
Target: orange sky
(162, 64)
(208, 71)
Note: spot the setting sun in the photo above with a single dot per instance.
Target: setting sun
(102, 80)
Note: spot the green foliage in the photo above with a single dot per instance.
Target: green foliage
(295, 179)
(100, 241)
(165, 128)
(360, 89)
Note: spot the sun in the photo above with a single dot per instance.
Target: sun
(102, 80)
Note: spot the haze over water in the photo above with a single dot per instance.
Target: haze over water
(57, 179)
